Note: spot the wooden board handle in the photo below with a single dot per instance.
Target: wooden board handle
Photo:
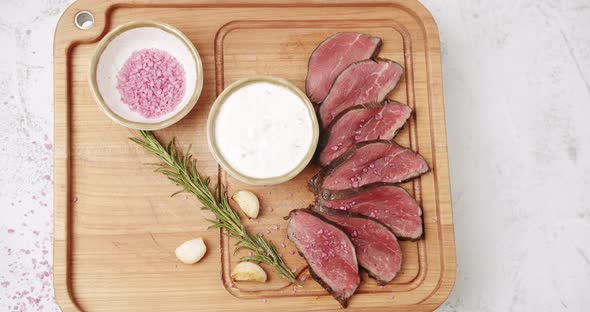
(67, 32)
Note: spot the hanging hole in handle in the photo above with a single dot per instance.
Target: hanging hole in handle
(84, 20)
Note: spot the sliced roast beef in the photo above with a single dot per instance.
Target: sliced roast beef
(332, 56)
(377, 249)
(363, 82)
(367, 163)
(389, 204)
(362, 123)
(328, 251)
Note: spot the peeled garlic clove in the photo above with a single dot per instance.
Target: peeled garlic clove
(248, 271)
(191, 251)
(248, 202)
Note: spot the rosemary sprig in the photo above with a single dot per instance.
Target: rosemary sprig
(182, 170)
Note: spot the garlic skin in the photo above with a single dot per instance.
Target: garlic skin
(248, 202)
(191, 251)
(248, 271)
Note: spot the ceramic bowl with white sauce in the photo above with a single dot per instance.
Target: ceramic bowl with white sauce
(117, 47)
(262, 130)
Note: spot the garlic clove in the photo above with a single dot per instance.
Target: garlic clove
(248, 202)
(191, 251)
(248, 271)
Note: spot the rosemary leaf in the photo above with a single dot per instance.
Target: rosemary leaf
(182, 170)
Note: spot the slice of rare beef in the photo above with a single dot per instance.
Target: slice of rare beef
(363, 82)
(377, 249)
(332, 56)
(328, 251)
(389, 204)
(362, 123)
(367, 163)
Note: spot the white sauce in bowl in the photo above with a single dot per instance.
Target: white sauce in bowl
(263, 130)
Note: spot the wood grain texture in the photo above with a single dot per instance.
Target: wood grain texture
(116, 227)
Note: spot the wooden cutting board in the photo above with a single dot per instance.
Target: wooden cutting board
(116, 227)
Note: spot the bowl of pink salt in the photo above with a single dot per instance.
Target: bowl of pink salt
(146, 75)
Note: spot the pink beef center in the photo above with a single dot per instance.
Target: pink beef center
(361, 83)
(364, 125)
(376, 162)
(328, 253)
(152, 82)
(375, 246)
(394, 208)
(332, 57)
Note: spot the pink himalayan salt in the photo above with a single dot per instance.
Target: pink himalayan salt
(151, 82)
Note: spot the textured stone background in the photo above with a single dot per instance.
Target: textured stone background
(517, 96)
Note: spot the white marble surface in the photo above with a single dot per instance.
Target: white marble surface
(517, 94)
